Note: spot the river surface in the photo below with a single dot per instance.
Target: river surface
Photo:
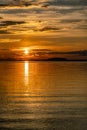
(43, 95)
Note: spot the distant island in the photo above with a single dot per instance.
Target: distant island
(48, 59)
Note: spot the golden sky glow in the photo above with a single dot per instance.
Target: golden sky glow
(46, 23)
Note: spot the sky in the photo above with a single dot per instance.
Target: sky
(48, 24)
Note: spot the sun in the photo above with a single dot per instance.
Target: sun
(26, 51)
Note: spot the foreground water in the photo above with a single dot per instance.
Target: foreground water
(43, 95)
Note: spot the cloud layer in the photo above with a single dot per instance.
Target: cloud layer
(52, 18)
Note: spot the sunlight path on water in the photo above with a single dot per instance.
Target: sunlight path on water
(26, 74)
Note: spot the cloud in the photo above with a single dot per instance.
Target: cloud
(48, 29)
(84, 27)
(1, 18)
(71, 20)
(52, 18)
(7, 23)
(4, 32)
(75, 23)
(9, 40)
(69, 2)
(43, 2)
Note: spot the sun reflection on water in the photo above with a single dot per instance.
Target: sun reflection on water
(26, 70)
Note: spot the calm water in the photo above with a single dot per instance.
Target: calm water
(43, 95)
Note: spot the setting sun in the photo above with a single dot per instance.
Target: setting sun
(26, 52)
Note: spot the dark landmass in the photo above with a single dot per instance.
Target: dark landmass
(49, 59)
(56, 59)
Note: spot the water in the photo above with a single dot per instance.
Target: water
(43, 95)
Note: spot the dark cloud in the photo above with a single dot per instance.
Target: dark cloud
(8, 23)
(21, 11)
(44, 2)
(4, 32)
(1, 18)
(82, 27)
(48, 29)
(71, 20)
(72, 9)
(15, 3)
(68, 2)
(3, 5)
(43, 9)
(45, 5)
